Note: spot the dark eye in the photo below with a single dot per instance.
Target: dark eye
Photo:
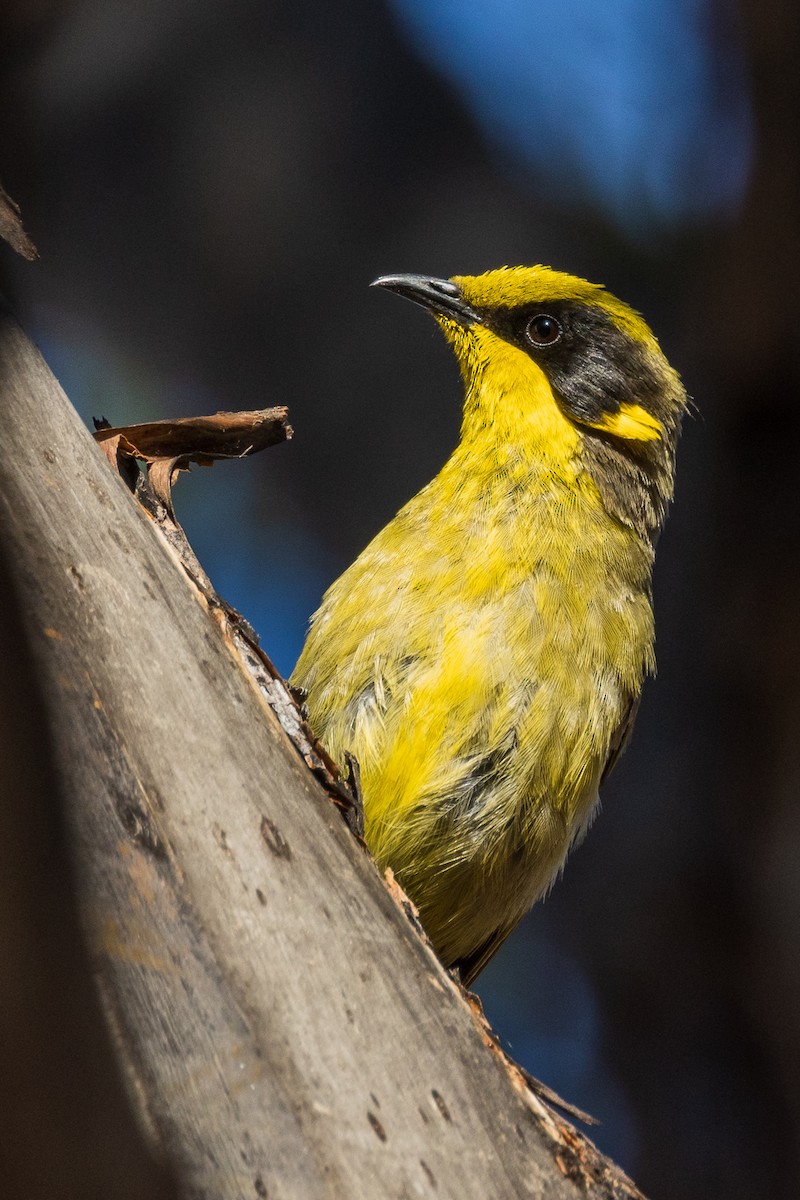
(544, 330)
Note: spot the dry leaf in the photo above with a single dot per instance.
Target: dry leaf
(170, 446)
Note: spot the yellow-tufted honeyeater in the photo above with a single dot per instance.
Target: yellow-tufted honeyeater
(483, 657)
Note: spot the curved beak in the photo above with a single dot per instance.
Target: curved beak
(441, 296)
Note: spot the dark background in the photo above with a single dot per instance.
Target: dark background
(213, 186)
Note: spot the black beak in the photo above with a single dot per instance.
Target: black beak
(441, 296)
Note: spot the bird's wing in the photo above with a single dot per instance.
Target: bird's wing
(470, 966)
(621, 735)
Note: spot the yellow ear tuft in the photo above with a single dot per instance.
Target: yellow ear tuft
(630, 421)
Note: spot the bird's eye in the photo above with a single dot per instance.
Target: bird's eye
(544, 330)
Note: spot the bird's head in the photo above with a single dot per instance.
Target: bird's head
(564, 366)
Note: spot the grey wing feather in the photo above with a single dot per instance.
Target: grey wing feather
(471, 965)
(620, 739)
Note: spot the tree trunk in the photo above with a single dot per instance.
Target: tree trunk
(283, 1029)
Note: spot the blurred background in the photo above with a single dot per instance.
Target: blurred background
(213, 186)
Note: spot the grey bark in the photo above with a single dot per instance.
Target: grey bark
(283, 1029)
(66, 1129)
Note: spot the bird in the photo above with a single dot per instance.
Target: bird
(483, 658)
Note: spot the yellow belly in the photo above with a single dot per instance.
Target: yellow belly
(478, 659)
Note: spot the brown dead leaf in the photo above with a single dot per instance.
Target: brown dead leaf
(194, 439)
(171, 446)
(161, 474)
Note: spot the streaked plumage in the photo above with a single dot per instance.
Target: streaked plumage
(483, 657)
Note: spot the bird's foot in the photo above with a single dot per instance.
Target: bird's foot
(355, 814)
